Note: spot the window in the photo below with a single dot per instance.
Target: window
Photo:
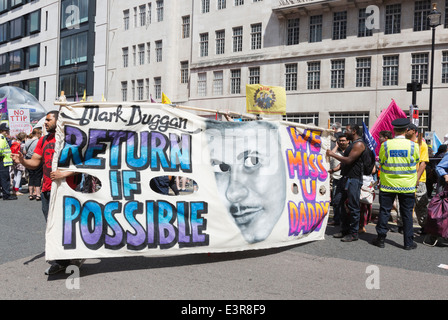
(33, 22)
(3, 6)
(125, 57)
(221, 4)
(363, 72)
(220, 41)
(316, 28)
(205, 6)
(362, 30)
(293, 32)
(235, 81)
(74, 13)
(184, 72)
(141, 54)
(340, 25)
(148, 94)
(254, 75)
(420, 67)
(203, 44)
(255, 36)
(17, 28)
(33, 56)
(202, 84)
(148, 52)
(337, 73)
(239, 2)
(313, 75)
(185, 27)
(133, 89)
(16, 61)
(4, 33)
(149, 18)
(142, 15)
(291, 77)
(158, 87)
(393, 19)
(305, 118)
(126, 22)
(140, 91)
(124, 91)
(159, 5)
(74, 49)
(238, 39)
(349, 118)
(218, 79)
(390, 71)
(159, 51)
(73, 84)
(16, 3)
(4, 66)
(421, 11)
(445, 67)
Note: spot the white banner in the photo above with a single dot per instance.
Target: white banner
(253, 185)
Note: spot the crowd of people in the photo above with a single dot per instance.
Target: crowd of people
(14, 175)
(405, 175)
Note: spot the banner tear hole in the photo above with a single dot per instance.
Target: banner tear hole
(84, 183)
(173, 185)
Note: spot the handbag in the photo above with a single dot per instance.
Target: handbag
(437, 220)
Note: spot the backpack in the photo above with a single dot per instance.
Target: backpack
(368, 160)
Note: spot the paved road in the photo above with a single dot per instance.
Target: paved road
(328, 269)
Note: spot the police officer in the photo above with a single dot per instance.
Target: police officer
(398, 160)
(5, 164)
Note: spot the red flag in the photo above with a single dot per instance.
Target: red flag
(384, 122)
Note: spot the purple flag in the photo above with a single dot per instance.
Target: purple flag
(3, 106)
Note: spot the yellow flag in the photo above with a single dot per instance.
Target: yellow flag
(165, 99)
(102, 97)
(265, 99)
(84, 98)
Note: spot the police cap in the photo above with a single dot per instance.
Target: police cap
(4, 127)
(401, 123)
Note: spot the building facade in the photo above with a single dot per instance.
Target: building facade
(51, 46)
(339, 60)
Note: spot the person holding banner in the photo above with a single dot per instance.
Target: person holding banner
(5, 164)
(43, 155)
(352, 172)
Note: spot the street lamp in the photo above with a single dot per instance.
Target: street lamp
(434, 18)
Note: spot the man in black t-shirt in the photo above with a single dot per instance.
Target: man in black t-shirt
(352, 171)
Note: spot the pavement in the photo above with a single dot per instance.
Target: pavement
(320, 270)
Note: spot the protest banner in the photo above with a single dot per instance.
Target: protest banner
(19, 121)
(261, 184)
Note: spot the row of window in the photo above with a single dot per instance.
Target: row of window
(346, 118)
(74, 13)
(339, 26)
(222, 4)
(20, 59)
(140, 90)
(141, 54)
(20, 27)
(143, 15)
(6, 5)
(363, 72)
(30, 85)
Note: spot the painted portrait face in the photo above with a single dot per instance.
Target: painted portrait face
(250, 175)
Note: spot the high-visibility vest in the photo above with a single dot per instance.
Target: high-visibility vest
(5, 152)
(398, 159)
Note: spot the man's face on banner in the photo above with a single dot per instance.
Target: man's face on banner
(250, 175)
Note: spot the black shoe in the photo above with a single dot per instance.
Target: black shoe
(349, 238)
(411, 247)
(55, 268)
(379, 242)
